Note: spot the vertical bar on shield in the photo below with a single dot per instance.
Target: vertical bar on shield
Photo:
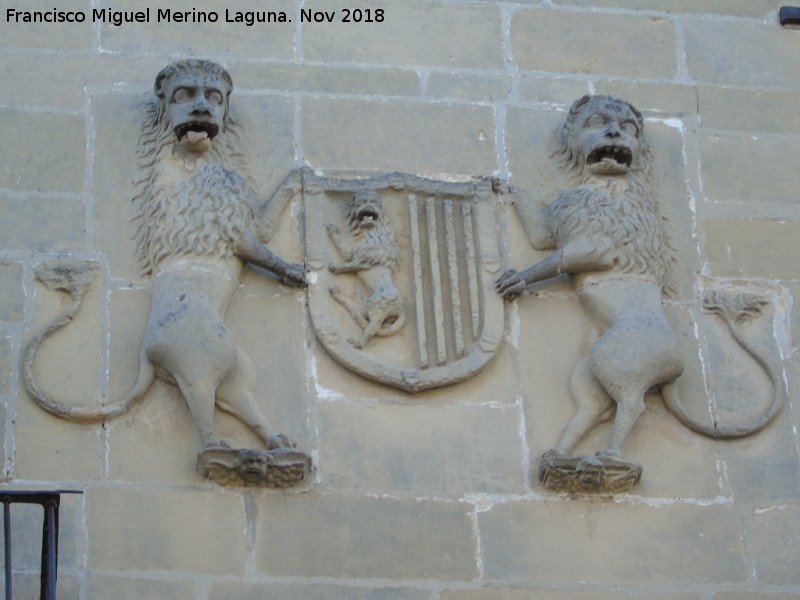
(419, 296)
(455, 281)
(472, 266)
(436, 278)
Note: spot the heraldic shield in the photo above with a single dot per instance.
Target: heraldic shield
(402, 276)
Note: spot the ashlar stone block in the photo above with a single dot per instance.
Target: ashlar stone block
(100, 587)
(58, 36)
(512, 594)
(178, 31)
(191, 531)
(610, 44)
(742, 8)
(750, 248)
(410, 33)
(398, 136)
(12, 294)
(328, 79)
(432, 448)
(43, 224)
(749, 169)
(364, 537)
(740, 52)
(776, 546)
(21, 163)
(252, 591)
(612, 543)
(748, 110)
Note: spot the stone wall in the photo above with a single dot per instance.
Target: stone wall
(430, 496)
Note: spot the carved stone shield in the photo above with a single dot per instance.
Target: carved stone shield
(402, 276)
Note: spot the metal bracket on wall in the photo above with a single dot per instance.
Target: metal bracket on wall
(50, 501)
(789, 15)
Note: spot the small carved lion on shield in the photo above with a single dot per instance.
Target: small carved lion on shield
(371, 253)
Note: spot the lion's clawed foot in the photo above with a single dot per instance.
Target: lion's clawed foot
(280, 440)
(215, 444)
(511, 284)
(608, 453)
(294, 275)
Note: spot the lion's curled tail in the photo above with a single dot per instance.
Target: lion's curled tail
(75, 278)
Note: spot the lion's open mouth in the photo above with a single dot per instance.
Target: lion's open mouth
(367, 216)
(195, 131)
(612, 156)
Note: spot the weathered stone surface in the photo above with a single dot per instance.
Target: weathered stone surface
(750, 248)
(401, 40)
(43, 224)
(752, 595)
(117, 116)
(139, 530)
(331, 591)
(38, 160)
(346, 536)
(748, 110)
(602, 542)
(292, 77)
(398, 136)
(746, 168)
(481, 88)
(266, 40)
(558, 91)
(131, 588)
(709, 57)
(12, 294)
(504, 594)
(655, 98)
(744, 8)
(59, 36)
(776, 546)
(5, 362)
(437, 449)
(28, 585)
(610, 44)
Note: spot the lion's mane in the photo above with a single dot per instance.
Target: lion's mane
(625, 221)
(197, 214)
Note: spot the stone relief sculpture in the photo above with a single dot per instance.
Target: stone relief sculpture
(197, 225)
(371, 253)
(402, 275)
(608, 234)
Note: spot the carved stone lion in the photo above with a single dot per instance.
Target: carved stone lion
(371, 253)
(609, 236)
(197, 225)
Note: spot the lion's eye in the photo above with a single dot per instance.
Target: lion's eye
(214, 96)
(630, 128)
(182, 95)
(595, 121)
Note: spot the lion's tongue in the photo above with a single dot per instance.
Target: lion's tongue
(194, 137)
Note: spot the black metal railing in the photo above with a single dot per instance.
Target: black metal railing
(50, 502)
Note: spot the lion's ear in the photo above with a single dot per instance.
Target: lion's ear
(577, 105)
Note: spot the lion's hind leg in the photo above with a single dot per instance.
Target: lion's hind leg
(593, 406)
(235, 396)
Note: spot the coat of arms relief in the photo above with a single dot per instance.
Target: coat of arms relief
(402, 276)
(406, 283)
